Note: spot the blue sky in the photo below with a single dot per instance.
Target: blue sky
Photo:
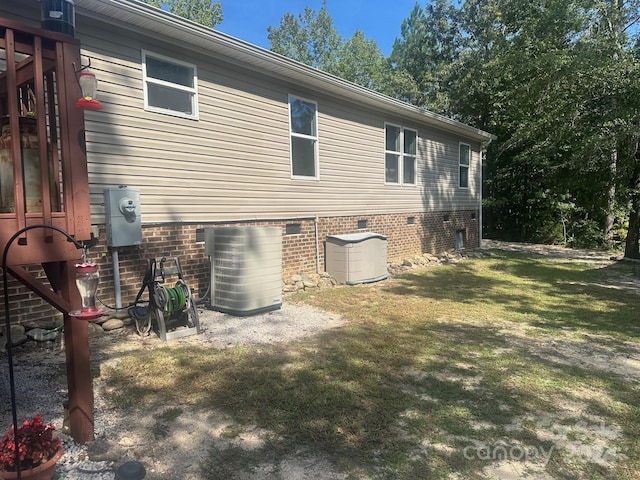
(379, 20)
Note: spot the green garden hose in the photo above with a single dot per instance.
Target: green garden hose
(176, 298)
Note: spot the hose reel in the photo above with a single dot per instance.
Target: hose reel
(172, 299)
(171, 311)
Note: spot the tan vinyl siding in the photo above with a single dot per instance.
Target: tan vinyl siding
(233, 163)
(440, 172)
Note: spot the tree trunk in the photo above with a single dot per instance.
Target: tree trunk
(632, 247)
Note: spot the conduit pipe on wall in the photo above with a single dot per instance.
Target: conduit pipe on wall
(116, 277)
(316, 220)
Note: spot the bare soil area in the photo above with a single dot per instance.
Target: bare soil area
(628, 280)
(175, 448)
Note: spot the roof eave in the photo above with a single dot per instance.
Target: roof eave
(140, 15)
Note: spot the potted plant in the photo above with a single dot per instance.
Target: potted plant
(38, 450)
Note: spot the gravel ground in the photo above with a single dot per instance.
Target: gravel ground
(40, 381)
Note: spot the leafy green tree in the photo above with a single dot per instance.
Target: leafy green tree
(557, 82)
(361, 61)
(597, 99)
(312, 39)
(632, 245)
(429, 44)
(204, 12)
(523, 94)
(309, 37)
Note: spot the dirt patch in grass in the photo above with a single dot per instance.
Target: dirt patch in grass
(622, 274)
(571, 432)
(189, 438)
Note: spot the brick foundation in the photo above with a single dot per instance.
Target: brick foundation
(407, 234)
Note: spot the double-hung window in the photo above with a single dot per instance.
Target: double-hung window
(464, 162)
(410, 140)
(170, 86)
(304, 137)
(400, 155)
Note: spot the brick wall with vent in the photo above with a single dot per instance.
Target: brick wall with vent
(407, 234)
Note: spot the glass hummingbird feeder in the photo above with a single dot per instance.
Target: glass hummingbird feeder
(89, 85)
(87, 278)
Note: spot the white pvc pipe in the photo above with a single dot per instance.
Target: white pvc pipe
(315, 222)
(116, 277)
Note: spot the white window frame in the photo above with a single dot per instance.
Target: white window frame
(413, 156)
(193, 91)
(402, 156)
(313, 138)
(397, 153)
(461, 166)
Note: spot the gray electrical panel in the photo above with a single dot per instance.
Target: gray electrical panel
(122, 216)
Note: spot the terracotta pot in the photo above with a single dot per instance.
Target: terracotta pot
(44, 471)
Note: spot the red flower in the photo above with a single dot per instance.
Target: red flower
(36, 445)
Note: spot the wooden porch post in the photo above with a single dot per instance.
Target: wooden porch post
(46, 64)
(79, 381)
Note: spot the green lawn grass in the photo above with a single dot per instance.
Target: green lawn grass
(434, 371)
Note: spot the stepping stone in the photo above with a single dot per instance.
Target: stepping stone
(112, 324)
(42, 335)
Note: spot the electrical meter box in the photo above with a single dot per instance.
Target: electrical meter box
(122, 216)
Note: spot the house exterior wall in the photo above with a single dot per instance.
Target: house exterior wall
(232, 166)
(432, 232)
(233, 163)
